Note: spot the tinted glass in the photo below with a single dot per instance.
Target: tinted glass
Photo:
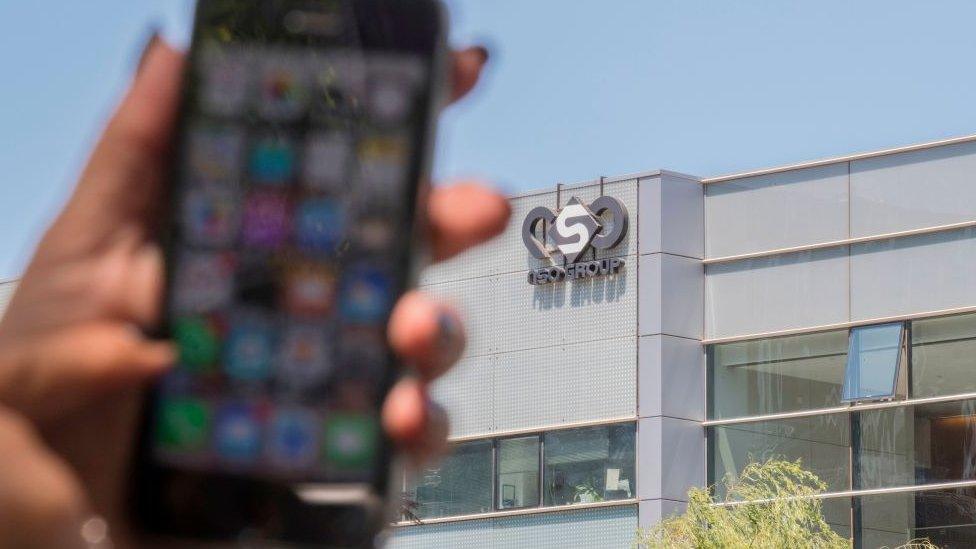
(460, 485)
(518, 472)
(943, 356)
(872, 362)
(784, 374)
(821, 443)
(590, 465)
(917, 445)
(947, 518)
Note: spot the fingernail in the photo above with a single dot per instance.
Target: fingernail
(146, 48)
(450, 338)
(483, 53)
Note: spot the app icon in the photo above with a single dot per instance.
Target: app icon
(183, 424)
(383, 167)
(319, 225)
(339, 82)
(351, 441)
(214, 154)
(283, 94)
(237, 432)
(198, 340)
(305, 357)
(374, 233)
(203, 282)
(309, 290)
(273, 161)
(327, 161)
(224, 74)
(365, 295)
(266, 220)
(211, 216)
(293, 439)
(250, 348)
(393, 82)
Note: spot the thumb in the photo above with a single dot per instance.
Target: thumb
(50, 376)
(126, 172)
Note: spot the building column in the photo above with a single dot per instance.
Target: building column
(671, 362)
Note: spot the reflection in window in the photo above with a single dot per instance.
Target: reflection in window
(944, 356)
(518, 472)
(921, 444)
(460, 485)
(821, 443)
(783, 374)
(590, 465)
(872, 362)
(946, 517)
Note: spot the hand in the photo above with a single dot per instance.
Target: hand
(75, 360)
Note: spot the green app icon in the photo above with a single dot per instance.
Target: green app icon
(183, 425)
(351, 441)
(198, 342)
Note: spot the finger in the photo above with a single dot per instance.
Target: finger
(124, 177)
(42, 502)
(57, 374)
(426, 334)
(464, 215)
(467, 65)
(415, 423)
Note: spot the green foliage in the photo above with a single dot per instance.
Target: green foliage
(781, 512)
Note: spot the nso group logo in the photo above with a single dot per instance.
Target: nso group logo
(568, 235)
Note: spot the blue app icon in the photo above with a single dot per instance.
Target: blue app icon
(293, 439)
(273, 161)
(237, 437)
(249, 350)
(319, 225)
(365, 295)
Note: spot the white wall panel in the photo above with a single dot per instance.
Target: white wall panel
(776, 293)
(776, 211)
(912, 190)
(910, 275)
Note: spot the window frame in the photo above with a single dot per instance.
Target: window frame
(898, 372)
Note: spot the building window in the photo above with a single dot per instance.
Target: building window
(785, 374)
(518, 472)
(943, 351)
(460, 485)
(590, 465)
(873, 362)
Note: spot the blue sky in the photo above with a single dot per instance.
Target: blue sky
(575, 90)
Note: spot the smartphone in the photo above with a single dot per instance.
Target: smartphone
(303, 143)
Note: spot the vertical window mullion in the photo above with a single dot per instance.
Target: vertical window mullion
(542, 470)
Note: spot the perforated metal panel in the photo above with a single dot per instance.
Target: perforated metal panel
(610, 528)
(507, 254)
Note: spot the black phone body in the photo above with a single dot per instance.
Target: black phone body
(303, 145)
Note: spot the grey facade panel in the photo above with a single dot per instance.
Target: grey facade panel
(913, 190)
(504, 313)
(912, 275)
(776, 211)
(507, 254)
(777, 293)
(610, 528)
(541, 387)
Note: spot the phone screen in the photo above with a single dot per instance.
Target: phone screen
(302, 138)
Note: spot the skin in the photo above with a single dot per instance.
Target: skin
(74, 362)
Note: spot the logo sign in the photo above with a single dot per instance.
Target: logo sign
(570, 233)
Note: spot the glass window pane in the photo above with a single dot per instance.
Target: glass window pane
(590, 465)
(872, 362)
(920, 444)
(783, 374)
(943, 356)
(837, 513)
(518, 472)
(821, 443)
(946, 517)
(460, 485)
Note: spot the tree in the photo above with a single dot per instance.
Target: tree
(782, 511)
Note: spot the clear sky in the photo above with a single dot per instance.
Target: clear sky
(575, 89)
